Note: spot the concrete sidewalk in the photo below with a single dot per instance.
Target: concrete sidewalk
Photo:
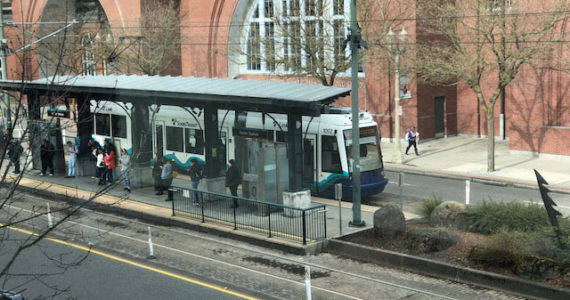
(466, 157)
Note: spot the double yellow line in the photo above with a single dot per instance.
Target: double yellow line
(134, 264)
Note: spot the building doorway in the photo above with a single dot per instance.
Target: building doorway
(439, 117)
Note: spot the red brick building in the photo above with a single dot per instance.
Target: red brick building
(218, 38)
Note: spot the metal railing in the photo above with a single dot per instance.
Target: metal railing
(304, 225)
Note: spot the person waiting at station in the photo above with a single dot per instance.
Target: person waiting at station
(166, 177)
(195, 176)
(72, 161)
(233, 180)
(46, 154)
(14, 152)
(100, 166)
(109, 166)
(156, 171)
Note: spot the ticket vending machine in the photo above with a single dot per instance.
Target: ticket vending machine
(265, 165)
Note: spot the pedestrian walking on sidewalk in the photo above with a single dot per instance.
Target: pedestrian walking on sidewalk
(195, 176)
(14, 152)
(72, 161)
(412, 136)
(46, 154)
(233, 180)
(126, 169)
(100, 166)
(166, 177)
(156, 171)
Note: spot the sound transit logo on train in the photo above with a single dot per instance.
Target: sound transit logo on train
(179, 123)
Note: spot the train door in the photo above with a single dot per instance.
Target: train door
(310, 161)
(159, 138)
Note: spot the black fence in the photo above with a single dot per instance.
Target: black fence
(305, 225)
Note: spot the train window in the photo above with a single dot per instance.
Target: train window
(102, 124)
(174, 139)
(330, 155)
(194, 141)
(119, 124)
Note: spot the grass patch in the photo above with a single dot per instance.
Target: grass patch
(428, 205)
(489, 217)
(504, 248)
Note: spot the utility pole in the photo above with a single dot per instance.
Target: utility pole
(354, 44)
(397, 46)
(4, 45)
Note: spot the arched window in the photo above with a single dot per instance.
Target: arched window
(89, 65)
(297, 35)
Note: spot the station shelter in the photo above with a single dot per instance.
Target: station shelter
(209, 95)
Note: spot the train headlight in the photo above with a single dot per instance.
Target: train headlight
(382, 173)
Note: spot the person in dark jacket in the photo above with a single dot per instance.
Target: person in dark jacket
(166, 176)
(156, 170)
(233, 179)
(46, 154)
(14, 152)
(195, 176)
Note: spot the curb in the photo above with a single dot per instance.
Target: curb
(419, 265)
(210, 228)
(483, 180)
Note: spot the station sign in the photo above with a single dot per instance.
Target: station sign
(253, 133)
(59, 113)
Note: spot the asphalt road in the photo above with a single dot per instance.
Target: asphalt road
(68, 272)
(420, 186)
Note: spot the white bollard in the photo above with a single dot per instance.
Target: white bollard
(150, 246)
(308, 282)
(50, 220)
(467, 191)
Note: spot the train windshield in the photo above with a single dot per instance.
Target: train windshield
(370, 154)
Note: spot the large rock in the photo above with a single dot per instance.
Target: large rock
(430, 240)
(450, 214)
(389, 222)
(538, 268)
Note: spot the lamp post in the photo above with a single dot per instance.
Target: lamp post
(395, 49)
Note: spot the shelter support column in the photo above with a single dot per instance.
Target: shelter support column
(34, 128)
(141, 155)
(82, 114)
(294, 145)
(213, 171)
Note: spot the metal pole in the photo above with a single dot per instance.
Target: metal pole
(338, 195)
(308, 282)
(398, 157)
(356, 218)
(467, 191)
(400, 187)
(3, 46)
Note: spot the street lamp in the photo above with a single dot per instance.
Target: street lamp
(396, 48)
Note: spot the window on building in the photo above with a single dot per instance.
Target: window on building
(103, 124)
(119, 126)
(297, 34)
(174, 139)
(7, 10)
(88, 57)
(330, 155)
(499, 4)
(194, 141)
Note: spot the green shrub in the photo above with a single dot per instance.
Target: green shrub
(504, 248)
(488, 217)
(428, 205)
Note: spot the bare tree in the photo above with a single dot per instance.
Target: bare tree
(26, 126)
(486, 41)
(152, 46)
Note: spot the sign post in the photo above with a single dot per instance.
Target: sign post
(338, 196)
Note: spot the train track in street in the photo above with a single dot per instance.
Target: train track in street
(245, 267)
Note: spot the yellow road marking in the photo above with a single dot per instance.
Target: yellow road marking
(135, 264)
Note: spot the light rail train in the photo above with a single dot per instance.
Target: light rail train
(178, 134)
